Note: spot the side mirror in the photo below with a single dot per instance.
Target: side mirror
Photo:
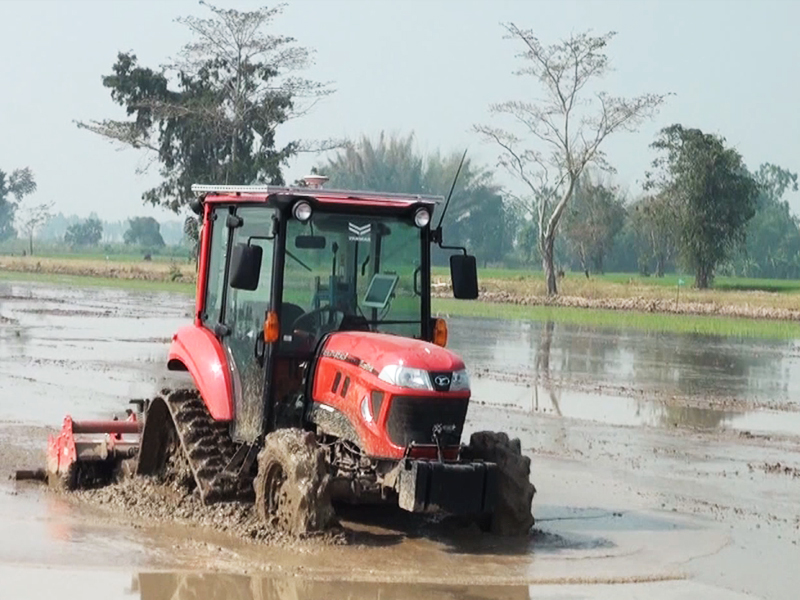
(464, 275)
(245, 266)
(312, 242)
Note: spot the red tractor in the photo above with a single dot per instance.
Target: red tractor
(320, 375)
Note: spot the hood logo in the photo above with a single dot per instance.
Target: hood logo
(359, 233)
(442, 381)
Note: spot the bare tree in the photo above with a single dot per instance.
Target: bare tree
(561, 132)
(31, 218)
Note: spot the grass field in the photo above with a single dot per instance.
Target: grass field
(777, 303)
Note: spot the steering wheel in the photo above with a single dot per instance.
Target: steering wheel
(311, 324)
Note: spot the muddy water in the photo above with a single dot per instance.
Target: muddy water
(635, 378)
(660, 463)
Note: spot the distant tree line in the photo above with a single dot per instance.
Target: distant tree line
(211, 116)
(702, 211)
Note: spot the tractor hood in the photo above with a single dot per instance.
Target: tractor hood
(379, 350)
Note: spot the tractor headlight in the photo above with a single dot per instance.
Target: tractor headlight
(460, 381)
(415, 379)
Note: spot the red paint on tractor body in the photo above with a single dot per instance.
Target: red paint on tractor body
(197, 350)
(382, 349)
(359, 357)
(202, 267)
(322, 196)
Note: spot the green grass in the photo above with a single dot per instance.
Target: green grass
(622, 319)
(616, 319)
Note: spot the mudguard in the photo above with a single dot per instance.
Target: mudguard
(195, 349)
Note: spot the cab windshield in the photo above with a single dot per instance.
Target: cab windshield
(343, 272)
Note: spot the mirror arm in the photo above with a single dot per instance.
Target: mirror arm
(259, 237)
(436, 238)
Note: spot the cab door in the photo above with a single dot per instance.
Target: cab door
(243, 317)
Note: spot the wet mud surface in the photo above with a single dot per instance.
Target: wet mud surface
(665, 467)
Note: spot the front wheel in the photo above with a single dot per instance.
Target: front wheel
(292, 483)
(512, 515)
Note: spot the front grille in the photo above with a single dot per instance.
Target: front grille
(412, 419)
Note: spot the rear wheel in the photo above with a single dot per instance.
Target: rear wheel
(512, 515)
(292, 483)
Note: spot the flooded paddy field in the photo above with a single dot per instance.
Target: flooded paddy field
(666, 466)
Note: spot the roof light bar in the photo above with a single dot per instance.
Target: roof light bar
(201, 188)
(198, 188)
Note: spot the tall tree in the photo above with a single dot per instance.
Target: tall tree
(655, 221)
(592, 221)
(31, 218)
(212, 116)
(712, 192)
(21, 183)
(85, 233)
(562, 132)
(772, 244)
(144, 231)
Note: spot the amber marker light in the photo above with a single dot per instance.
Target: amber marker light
(271, 328)
(440, 332)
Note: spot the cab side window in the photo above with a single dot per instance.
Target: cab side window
(216, 267)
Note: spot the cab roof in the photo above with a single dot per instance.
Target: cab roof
(262, 193)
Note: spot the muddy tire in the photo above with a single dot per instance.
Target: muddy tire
(512, 516)
(292, 492)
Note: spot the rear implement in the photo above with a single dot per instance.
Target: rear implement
(78, 458)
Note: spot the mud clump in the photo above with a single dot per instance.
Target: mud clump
(776, 469)
(145, 500)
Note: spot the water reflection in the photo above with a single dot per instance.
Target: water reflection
(216, 586)
(631, 378)
(669, 364)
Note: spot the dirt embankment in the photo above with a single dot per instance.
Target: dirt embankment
(642, 304)
(600, 295)
(177, 271)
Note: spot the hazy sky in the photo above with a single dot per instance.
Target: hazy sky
(431, 66)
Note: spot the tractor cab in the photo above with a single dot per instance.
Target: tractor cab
(285, 268)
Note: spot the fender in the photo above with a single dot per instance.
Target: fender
(195, 349)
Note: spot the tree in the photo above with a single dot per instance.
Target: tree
(563, 131)
(392, 164)
(711, 193)
(85, 233)
(655, 221)
(212, 117)
(772, 241)
(594, 218)
(144, 231)
(31, 218)
(21, 183)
